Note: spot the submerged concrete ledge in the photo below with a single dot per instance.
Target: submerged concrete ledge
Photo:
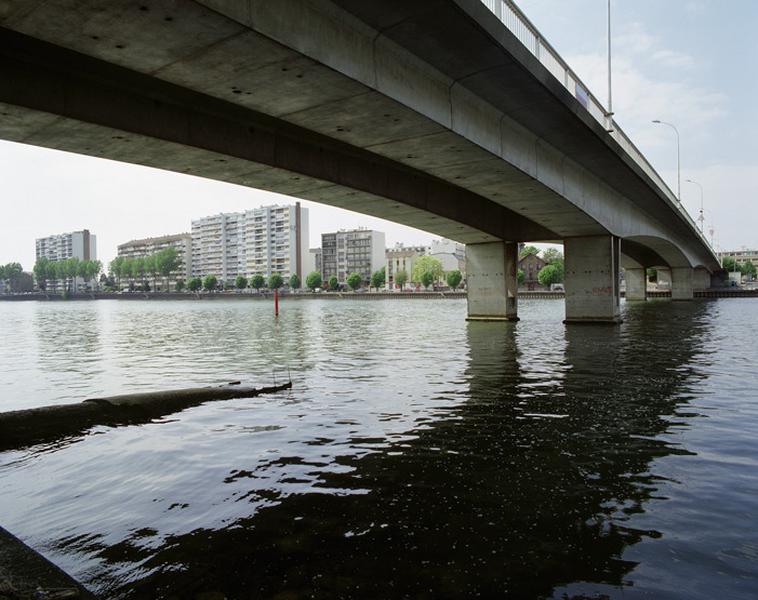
(22, 428)
(24, 573)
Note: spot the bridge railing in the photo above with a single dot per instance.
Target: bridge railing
(518, 24)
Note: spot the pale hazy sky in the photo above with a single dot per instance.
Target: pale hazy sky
(690, 62)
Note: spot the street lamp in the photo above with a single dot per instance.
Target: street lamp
(701, 218)
(678, 162)
(610, 97)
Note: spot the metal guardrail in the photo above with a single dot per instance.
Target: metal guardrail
(517, 23)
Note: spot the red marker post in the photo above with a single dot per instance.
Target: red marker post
(276, 302)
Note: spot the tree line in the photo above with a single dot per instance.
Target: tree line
(163, 262)
(49, 272)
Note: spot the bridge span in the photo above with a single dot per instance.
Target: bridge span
(452, 116)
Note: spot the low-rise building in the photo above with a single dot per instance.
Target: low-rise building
(351, 251)
(531, 264)
(401, 258)
(741, 256)
(182, 242)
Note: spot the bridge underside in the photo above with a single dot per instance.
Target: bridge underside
(426, 114)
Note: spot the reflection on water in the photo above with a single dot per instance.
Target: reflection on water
(417, 455)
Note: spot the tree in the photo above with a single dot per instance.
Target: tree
(40, 271)
(550, 274)
(354, 281)
(377, 279)
(313, 280)
(747, 268)
(275, 281)
(520, 276)
(11, 273)
(151, 267)
(194, 284)
(401, 278)
(427, 278)
(426, 264)
(210, 282)
(454, 278)
(71, 271)
(552, 255)
(528, 250)
(257, 281)
(95, 268)
(652, 274)
(294, 282)
(240, 282)
(334, 283)
(166, 262)
(179, 285)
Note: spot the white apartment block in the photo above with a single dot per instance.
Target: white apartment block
(276, 241)
(148, 246)
(351, 251)
(216, 247)
(451, 254)
(76, 244)
(265, 240)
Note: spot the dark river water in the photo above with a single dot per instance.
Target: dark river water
(417, 455)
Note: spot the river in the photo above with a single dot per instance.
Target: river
(417, 455)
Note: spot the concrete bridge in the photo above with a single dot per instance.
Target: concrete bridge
(452, 116)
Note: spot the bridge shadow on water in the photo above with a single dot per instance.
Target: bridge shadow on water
(526, 487)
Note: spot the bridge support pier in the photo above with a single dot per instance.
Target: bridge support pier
(491, 283)
(701, 279)
(681, 283)
(592, 279)
(636, 284)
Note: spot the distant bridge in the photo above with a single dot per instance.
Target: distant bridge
(452, 116)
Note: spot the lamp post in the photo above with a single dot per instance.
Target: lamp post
(701, 218)
(678, 162)
(610, 97)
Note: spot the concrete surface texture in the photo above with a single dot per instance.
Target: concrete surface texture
(492, 284)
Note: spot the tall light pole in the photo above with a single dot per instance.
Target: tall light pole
(678, 161)
(701, 218)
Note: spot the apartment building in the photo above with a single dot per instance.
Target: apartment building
(265, 240)
(451, 254)
(75, 244)
(276, 241)
(741, 256)
(351, 251)
(401, 258)
(148, 246)
(314, 261)
(216, 246)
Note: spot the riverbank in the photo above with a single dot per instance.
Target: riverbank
(524, 294)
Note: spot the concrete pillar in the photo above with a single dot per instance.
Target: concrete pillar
(592, 279)
(701, 279)
(636, 284)
(681, 283)
(664, 276)
(491, 282)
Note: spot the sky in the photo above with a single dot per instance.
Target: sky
(688, 62)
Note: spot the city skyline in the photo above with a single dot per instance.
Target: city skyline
(661, 71)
